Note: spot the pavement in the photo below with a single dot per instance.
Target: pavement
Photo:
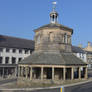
(5, 81)
(77, 87)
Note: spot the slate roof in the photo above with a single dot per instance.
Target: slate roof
(76, 49)
(52, 59)
(52, 25)
(8, 65)
(14, 42)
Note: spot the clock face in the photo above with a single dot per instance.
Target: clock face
(38, 39)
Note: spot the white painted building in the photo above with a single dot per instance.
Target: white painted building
(12, 51)
(80, 53)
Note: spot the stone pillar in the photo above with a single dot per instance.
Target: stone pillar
(64, 73)
(72, 73)
(7, 71)
(31, 73)
(26, 70)
(21, 72)
(41, 73)
(15, 71)
(18, 71)
(79, 69)
(52, 73)
(86, 75)
(3, 73)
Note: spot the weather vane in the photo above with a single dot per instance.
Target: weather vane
(54, 5)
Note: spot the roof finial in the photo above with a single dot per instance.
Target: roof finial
(54, 5)
(53, 14)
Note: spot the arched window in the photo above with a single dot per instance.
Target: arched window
(65, 38)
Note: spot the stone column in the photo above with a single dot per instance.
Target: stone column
(3, 72)
(21, 72)
(31, 73)
(41, 73)
(64, 73)
(15, 71)
(26, 70)
(72, 73)
(52, 73)
(7, 71)
(79, 72)
(86, 75)
(18, 71)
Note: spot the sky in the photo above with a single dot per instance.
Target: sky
(19, 18)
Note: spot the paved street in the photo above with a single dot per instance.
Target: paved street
(87, 87)
(7, 81)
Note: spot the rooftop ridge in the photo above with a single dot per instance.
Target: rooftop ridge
(16, 37)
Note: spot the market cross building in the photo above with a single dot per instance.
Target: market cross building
(52, 59)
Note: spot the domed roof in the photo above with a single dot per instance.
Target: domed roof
(55, 25)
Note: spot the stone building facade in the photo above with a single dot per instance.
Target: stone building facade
(52, 59)
(12, 51)
(88, 51)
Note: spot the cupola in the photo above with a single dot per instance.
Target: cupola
(54, 14)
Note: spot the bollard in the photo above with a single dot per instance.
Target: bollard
(62, 89)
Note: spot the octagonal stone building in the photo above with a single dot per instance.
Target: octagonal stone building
(52, 59)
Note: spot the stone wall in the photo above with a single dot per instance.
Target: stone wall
(53, 39)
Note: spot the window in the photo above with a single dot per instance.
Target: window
(83, 56)
(14, 50)
(1, 49)
(20, 59)
(30, 51)
(20, 50)
(80, 55)
(65, 38)
(6, 60)
(7, 49)
(13, 60)
(26, 51)
(51, 36)
(1, 60)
